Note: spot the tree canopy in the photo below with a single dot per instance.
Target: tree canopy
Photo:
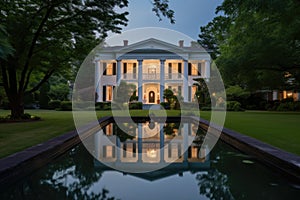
(256, 42)
(38, 38)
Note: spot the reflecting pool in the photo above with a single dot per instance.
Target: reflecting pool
(224, 173)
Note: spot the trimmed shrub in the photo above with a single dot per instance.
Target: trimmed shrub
(288, 106)
(136, 105)
(103, 105)
(297, 106)
(189, 106)
(165, 105)
(290, 99)
(205, 108)
(234, 106)
(83, 105)
(54, 104)
(66, 105)
(5, 105)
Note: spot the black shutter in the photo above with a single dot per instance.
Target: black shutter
(170, 70)
(104, 151)
(113, 151)
(190, 69)
(114, 68)
(179, 68)
(125, 68)
(199, 69)
(104, 68)
(134, 70)
(114, 92)
(104, 93)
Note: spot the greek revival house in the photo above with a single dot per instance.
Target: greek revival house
(152, 65)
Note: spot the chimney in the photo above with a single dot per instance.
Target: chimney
(181, 43)
(125, 42)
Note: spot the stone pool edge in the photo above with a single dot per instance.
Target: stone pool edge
(287, 163)
(27, 161)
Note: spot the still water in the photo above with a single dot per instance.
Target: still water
(223, 174)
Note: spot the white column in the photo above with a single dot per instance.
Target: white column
(98, 85)
(185, 135)
(118, 149)
(140, 142)
(162, 143)
(185, 81)
(162, 80)
(140, 80)
(207, 69)
(118, 72)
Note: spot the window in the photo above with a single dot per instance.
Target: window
(108, 151)
(194, 152)
(109, 93)
(109, 129)
(194, 70)
(110, 69)
(194, 89)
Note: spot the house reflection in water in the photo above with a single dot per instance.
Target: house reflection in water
(144, 145)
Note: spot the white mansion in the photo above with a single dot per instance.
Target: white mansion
(152, 65)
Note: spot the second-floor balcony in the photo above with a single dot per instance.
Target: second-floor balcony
(154, 76)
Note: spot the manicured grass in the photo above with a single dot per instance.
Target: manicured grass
(20, 135)
(17, 136)
(279, 129)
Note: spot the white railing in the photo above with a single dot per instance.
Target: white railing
(171, 76)
(130, 76)
(174, 76)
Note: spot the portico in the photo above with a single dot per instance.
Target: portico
(151, 69)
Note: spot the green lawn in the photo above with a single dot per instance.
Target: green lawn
(276, 128)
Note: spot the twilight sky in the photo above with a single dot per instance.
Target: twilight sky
(189, 15)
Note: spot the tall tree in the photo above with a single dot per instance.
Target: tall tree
(54, 35)
(261, 42)
(46, 36)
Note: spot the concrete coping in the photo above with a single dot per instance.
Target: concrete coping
(286, 162)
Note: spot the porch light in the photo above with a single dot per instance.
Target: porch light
(289, 94)
(152, 153)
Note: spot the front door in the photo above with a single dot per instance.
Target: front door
(151, 97)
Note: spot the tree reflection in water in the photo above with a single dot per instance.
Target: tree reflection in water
(71, 177)
(214, 185)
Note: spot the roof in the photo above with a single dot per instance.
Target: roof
(152, 44)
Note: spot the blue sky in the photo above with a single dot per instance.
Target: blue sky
(189, 15)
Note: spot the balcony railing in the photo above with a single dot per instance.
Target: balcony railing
(168, 76)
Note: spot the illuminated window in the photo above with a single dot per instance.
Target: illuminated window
(194, 152)
(194, 89)
(109, 69)
(109, 93)
(109, 129)
(194, 70)
(109, 151)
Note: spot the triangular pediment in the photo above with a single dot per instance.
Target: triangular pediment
(152, 43)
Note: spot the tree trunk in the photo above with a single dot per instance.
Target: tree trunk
(17, 107)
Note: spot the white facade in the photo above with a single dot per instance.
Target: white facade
(152, 65)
